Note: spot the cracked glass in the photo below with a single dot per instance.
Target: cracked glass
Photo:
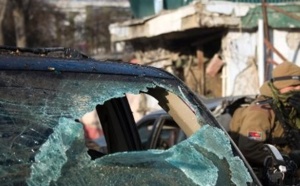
(42, 144)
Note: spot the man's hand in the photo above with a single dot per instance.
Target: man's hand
(93, 132)
(91, 125)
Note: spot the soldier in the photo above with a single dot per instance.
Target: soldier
(274, 118)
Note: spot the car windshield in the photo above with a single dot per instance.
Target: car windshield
(42, 144)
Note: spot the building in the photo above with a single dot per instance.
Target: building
(216, 47)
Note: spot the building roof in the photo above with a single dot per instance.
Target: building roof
(207, 15)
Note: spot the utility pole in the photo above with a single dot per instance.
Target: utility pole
(266, 37)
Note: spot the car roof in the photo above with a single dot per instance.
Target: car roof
(12, 58)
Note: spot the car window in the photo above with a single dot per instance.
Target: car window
(42, 144)
(169, 134)
(145, 129)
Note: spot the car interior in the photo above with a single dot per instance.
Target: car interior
(122, 134)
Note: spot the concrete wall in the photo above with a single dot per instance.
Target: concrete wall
(288, 43)
(239, 50)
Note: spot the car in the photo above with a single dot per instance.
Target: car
(46, 91)
(158, 130)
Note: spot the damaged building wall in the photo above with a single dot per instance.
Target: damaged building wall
(196, 26)
(240, 72)
(237, 76)
(239, 51)
(184, 66)
(288, 43)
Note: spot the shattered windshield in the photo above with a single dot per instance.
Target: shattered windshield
(42, 144)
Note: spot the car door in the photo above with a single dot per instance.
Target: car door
(165, 133)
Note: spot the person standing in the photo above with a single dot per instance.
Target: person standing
(273, 118)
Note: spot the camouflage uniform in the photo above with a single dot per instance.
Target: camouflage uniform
(253, 126)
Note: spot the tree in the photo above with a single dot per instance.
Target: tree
(2, 12)
(96, 31)
(19, 21)
(37, 23)
(32, 23)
